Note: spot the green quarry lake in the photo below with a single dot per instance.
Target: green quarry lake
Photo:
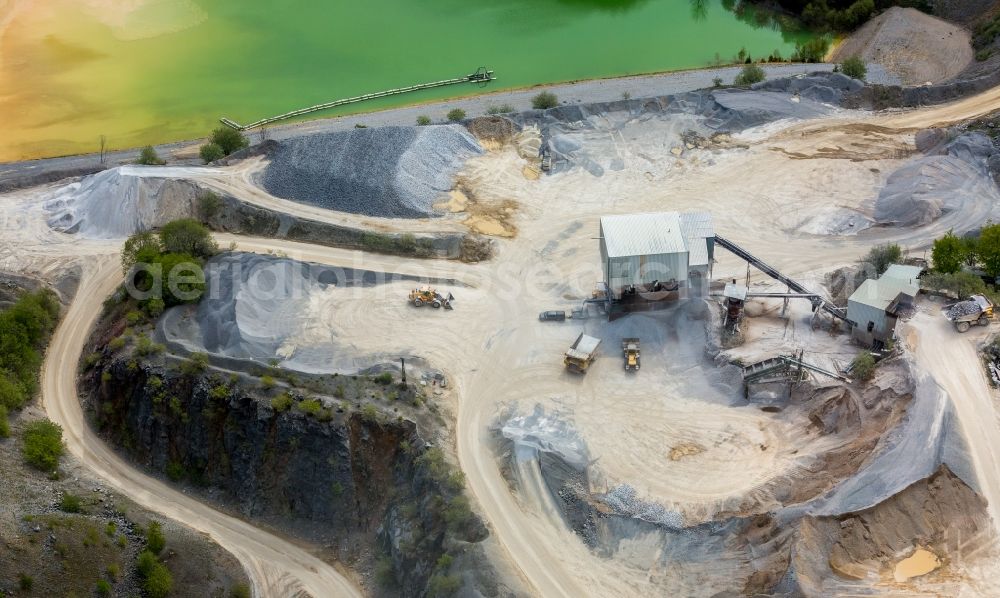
(166, 70)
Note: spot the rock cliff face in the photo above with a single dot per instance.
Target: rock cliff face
(360, 481)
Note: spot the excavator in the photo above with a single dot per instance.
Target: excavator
(426, 295)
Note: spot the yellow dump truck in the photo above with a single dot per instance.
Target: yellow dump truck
(582, 353)
(976, 310)
(630, 351)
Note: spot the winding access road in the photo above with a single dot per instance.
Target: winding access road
(276, 567)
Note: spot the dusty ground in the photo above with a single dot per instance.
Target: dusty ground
(765, 191)
(913, 47)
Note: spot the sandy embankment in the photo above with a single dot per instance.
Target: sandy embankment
(913, 47)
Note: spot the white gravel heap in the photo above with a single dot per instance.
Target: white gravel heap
(391, 172)
(118, 202)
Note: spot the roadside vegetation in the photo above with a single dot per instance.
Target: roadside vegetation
(966, 265)
(149, 157)
(749, 75)
(25, 328)
(423, 120)
(854, 68)
(222, 142)
(456, 115)
(544, 101)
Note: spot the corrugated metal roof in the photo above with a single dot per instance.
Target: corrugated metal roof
(901, 272)
(697, 225)
(880, 293)
(643, 234)
(697, 252)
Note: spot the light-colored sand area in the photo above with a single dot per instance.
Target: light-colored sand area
(914, 47)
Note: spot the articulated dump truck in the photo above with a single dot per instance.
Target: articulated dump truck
(582, 353)
(977, 310)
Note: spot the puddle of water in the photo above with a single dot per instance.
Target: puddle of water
(919, 563)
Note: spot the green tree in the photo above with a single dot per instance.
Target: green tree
(229, 139)
(880, 257)
(187, 235)
(456, 114)
(854, 68)
(749, 75)
(863, 366)
(544, 101)
(43, 444)
(949, 253)
(149, 157)
(155, 540)
(988, 249)
(140, 245)
(183, 278)
(210, 152)
(962, 284)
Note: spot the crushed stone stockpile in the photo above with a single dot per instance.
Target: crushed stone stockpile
(121, 201)
(952, 177)
(260, 308)
(573, 134)
(390, 172)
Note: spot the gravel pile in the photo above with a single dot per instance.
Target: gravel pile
(963, 308)
(118, 202)
(955, 178)
(391, 172)
(625, 500)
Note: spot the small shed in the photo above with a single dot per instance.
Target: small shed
(875, 306)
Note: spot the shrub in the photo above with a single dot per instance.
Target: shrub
(210, 152)
(854, 68)
(188, 236)
(282, 402)
(423, 120)
(195, 364)
(749, 75)
(114, 571)
(267, 382)
(149, 157)
(983, 54)
(544, 101)
(103, 587)
(145, 563)
(240, 590)
(4, 424)
(155, 541)
(443, 585)
(863, 366)
(456, 114)
(717, 82)
(370, 414)
(229, 140)
(209, 205)
(154, 307)
(501, 109)
(384, 573)
(43, 445)
(175, 471)
(159, 582)
(385, 378)
(70, 503)
(880, 257)
(310, 407)
(25, 582)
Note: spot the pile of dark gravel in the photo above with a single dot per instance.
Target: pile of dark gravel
(391, 172)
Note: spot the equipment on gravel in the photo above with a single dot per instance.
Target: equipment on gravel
(582, 353)
(630, 351)
(428, 296)
(976, 310)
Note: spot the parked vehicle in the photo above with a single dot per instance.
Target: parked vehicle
(552, 316)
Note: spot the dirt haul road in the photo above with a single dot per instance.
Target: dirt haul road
(952, 359)
(275, 566)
